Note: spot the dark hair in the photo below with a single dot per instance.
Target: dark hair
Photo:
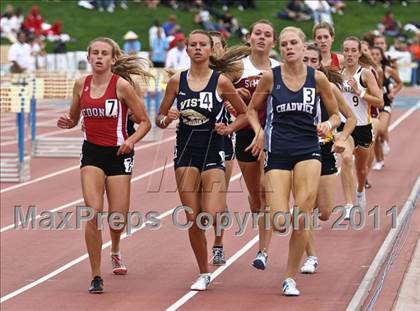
(332, 75)
(323, 25)
(364, 58)
(385, 61)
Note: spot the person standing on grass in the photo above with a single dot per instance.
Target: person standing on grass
(107, 159)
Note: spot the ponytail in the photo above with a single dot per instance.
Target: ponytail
(227, 63)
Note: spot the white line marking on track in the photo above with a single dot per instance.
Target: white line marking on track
(41, 178)
(243, 250)
(190, 294)
(215, 274)
(85, 256)
(6, 228)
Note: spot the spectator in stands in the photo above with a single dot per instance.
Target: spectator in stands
(295, 10)
(389, 26)
(8, 24)
(153, 31)
(34, 21)
(230, 23)
(159, 49)
(204, 19)
(321, 11)
(337, 6)
(177, 57)
(132, 44)
(152, 4)
(19, 18)
(20, 54)
(38, 53)
(414, 49)
(170, 26)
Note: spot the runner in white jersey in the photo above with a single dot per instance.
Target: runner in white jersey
(360, 90)
(245, 75)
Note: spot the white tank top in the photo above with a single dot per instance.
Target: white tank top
(359, 106)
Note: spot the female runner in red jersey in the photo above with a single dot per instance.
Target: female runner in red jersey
(323, 35)
(103, 98)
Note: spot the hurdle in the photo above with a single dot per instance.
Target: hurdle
(14, 97)
(53, 86)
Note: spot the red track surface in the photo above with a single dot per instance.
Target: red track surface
(161, 263)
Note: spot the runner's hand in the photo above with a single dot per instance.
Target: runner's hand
(65, 122)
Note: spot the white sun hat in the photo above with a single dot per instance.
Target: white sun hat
(130, 35)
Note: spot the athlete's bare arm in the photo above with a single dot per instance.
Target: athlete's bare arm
(166, 113)
(324, 89)
(226, 89)
(374, 96)
(70, 120)
(346, 111)
(398, 83)
(259, 97)
(126, 93)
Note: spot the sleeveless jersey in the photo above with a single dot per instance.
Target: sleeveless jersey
(105, 118)
(335, 62)
(292, 117)
(199, 112)
(359, 106)
(249, 80)
(386, 89)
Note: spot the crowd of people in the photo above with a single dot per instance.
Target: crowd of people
(283, 121)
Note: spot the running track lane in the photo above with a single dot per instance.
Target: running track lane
(190, 276)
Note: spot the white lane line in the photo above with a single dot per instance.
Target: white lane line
(215, 274)
(243, 250)
(83, 257)
(365, 287)
(41, 135)
(9, 227)
(404, 116)
(41, 178)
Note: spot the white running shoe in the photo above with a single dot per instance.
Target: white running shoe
(118, 266)
(361, 199)
(310, 265)
(348, 208)
(378, 166)
(202, 282)
(385, 148)
(289, 288)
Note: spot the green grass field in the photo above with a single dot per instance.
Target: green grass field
(84, 25)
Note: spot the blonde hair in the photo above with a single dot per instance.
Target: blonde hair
(125, 65)
(227, 62)
(296, 30)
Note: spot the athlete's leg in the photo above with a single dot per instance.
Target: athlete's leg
(93, 188)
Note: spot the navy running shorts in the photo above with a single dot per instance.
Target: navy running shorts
(287, 162)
